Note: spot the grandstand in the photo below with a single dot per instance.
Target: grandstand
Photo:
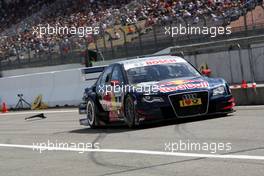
(127, 27)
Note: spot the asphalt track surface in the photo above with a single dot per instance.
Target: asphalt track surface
(244, 130)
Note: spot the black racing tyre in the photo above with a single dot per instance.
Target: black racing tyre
(92, 113)
(130, 113)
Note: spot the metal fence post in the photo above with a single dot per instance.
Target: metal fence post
(61, 52)
(139, 37)
(155, 37)
(241, 62)
(204, 20)
(111, 43)
(29, 57)
(251, 65)
(17, 55)
(95, 42)
(252, 20)
(230, 66)
(245, 23)
(195, 61)
(125, 40)
(49, 54)
(103, 35)
(186, 25)
(1, 75)
(171, 35)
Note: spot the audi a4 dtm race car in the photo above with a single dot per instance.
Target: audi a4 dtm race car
(153, 88)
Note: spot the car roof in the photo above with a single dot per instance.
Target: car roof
(152, 60)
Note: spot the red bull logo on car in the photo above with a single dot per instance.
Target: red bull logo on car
(180, 82)
(184, 86)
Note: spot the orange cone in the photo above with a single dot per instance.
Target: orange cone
(244, 84)
(4, 108)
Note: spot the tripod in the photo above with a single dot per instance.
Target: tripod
(20, 102)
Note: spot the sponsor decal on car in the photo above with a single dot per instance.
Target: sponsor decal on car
(187, 86)
(180, 82)
(161, 61)
(190, 100)
(154, 61)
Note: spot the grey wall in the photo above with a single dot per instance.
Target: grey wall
(23, 71)
(226, 64)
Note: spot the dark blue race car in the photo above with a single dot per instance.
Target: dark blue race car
(153, 88)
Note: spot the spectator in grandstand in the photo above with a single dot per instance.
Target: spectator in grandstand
(95, 13)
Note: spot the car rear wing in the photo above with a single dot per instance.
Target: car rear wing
(92, 73)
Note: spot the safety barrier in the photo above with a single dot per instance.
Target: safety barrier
(249, 96)
(58, 88)
(66, 88)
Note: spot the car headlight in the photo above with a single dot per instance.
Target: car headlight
(219, 91)
(151, 99)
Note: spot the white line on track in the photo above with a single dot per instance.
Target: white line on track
(38, 112)
(76, 111)
(143, 152)
(253, 107)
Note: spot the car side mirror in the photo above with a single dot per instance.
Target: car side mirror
(94, 88)
(115, 83)
(107, 79)
(206, 72)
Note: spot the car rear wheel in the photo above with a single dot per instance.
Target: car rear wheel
(130, 113)
(91, 113)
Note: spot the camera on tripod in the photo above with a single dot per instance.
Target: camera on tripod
(22, 101)
(20, 95)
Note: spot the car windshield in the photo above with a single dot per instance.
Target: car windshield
(160, 72)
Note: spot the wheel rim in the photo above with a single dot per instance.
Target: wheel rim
(129, 111)
(90, 113)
